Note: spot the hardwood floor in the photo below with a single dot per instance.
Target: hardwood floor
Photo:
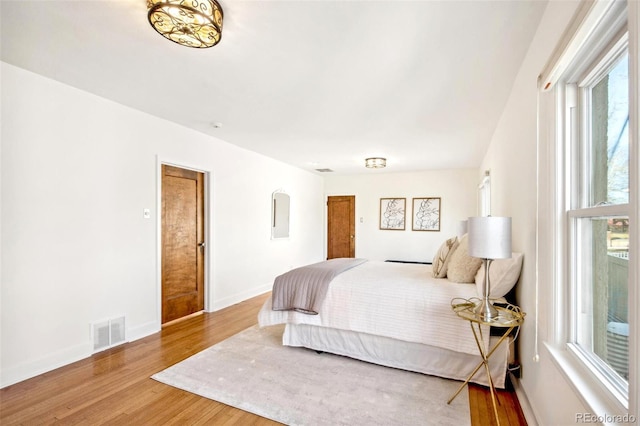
(481, 408)
(114, 386)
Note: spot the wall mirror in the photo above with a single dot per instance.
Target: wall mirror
(280, 203)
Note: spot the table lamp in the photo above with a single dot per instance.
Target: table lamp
(489, 239)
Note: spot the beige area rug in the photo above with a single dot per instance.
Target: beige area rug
(254, 372)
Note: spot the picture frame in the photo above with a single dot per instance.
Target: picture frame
(426, 214)
(392, 213)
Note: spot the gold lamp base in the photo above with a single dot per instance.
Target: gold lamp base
(485, 310)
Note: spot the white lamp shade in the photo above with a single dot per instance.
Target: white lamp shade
(490, 237)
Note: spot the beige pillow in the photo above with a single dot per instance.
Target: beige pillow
(462, 267)
(503, 275)
(442, 257)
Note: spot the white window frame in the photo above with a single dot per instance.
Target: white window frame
(596, 26)
(484, 195)
(579, 177)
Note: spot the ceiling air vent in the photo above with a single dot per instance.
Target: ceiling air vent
(324, 170)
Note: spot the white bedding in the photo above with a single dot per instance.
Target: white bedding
(407, 304)
(395, 353)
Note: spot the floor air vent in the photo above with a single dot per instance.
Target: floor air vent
(107, 333)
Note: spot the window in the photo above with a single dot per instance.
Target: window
(484, 194)
(598, 219)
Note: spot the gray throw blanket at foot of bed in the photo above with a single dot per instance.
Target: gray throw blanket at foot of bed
(304, 289)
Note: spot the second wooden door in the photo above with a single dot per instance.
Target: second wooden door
(341, 226)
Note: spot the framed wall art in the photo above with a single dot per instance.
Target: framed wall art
(426, 214)
(392, 213)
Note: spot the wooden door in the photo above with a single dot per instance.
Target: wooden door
(341, 226)
(183, 244)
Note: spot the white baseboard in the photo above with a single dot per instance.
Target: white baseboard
(52, 361)
(527, 411)
(239, 297)
(144, 330)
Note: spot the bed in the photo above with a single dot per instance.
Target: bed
(393, 314)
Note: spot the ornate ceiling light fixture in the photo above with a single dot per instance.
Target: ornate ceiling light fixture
(375, 163)
(191, 23)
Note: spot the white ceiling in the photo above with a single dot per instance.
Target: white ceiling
(317, 84)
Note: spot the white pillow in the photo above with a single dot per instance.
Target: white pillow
(503, 275)
(462, 267)
(442, 257)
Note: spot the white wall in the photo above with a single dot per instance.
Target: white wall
(77, 172)
(459, 199)
(511, 158)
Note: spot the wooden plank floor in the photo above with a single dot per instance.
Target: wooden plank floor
(481, 407)
(114, 387)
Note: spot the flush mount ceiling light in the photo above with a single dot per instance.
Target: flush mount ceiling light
(375, 163)
(190, 23)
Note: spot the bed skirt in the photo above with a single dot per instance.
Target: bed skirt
(399, 354)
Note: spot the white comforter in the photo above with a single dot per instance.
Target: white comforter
(396, 300)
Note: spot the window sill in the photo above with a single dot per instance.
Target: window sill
(594, 394)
